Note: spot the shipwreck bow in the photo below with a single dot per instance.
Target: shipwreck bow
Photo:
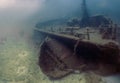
(62, 54)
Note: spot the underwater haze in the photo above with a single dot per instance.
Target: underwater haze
(66, 8)
(18, 55)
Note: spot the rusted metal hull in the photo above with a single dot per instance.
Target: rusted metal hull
(61, 55)
(51, 59)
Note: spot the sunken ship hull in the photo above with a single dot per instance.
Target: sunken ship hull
(61, 55)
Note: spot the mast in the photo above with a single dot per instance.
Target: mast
(85, 14)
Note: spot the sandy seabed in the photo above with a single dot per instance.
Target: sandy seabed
(18, 64)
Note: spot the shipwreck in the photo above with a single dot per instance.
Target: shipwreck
(75, 49)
